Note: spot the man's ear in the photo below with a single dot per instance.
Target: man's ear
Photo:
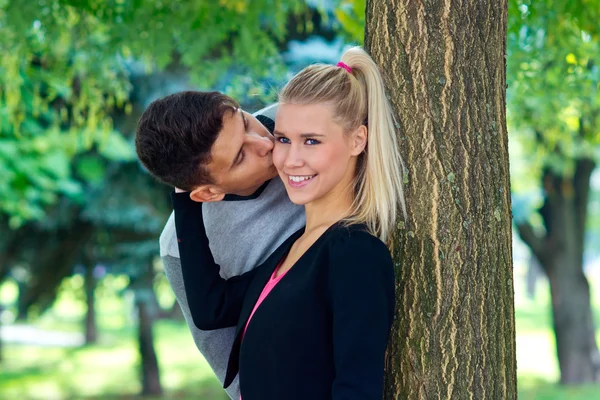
(359, 140)
(207, 194)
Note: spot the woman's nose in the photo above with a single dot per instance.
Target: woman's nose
(293, 158)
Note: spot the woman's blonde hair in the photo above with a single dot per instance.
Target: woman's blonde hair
(357, 96)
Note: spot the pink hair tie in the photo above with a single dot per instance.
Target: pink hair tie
(342, 65)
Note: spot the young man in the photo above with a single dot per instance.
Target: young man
(202, 142)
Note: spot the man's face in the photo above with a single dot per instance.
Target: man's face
(241, 155)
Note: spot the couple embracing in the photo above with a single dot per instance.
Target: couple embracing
(276, 249)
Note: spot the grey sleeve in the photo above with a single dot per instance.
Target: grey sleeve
(168, 239)
(214, 345)
(268, 111)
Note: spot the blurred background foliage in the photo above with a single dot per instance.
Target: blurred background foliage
(81, 285)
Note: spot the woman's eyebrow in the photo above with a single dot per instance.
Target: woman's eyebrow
(302, 135)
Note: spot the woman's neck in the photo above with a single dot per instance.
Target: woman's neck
(333, 206)
(325, 212)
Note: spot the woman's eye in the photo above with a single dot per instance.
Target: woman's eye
(282, 139)
(312, 141)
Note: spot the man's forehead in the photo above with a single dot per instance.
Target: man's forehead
(228, 143)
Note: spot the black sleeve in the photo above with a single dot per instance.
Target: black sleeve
(362, 303)
(214, 302)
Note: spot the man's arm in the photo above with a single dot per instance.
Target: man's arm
(215, 346)
(213, 301)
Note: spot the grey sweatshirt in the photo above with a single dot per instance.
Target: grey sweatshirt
(242, 233)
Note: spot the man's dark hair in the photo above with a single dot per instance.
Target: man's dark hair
(175, 135)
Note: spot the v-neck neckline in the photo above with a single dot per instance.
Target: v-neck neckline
(307, 251)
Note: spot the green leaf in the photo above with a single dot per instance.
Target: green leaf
(8, 148)
(116, 148)
(70, 188)
(56, 163)
(90, 169)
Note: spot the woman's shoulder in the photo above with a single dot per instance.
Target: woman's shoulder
(354, 234)
(355, 255)
(355, 240)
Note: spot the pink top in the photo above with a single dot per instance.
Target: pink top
(266, 290)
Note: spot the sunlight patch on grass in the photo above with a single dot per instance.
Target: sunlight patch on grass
(537, 365)
(46, 373)
(536, 355)
(536, 388)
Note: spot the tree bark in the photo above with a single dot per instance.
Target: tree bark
(560, 253)
(444, 68)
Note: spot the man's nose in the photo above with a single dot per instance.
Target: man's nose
(263, 144)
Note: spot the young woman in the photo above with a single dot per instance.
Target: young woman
(313, 320)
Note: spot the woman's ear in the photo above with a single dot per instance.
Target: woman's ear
(359, 140)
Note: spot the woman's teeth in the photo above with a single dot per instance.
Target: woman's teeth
(301, 178)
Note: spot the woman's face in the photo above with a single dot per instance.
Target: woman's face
(314, 157)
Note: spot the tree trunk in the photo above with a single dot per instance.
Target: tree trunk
(560, 252)
(147, 304)
(150, 372)
(444, 67)
(576, 347)
(57, 252)
(22, 304)
(91, 328)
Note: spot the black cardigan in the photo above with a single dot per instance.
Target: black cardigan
(322, 331)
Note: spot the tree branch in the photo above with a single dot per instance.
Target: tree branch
(533, 241)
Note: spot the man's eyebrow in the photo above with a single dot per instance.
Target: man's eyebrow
(237, 157)
(239, 153)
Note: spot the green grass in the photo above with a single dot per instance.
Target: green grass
(539, 389)
(108, 370)
(537, 366)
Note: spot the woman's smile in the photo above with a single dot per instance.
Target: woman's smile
(298, 181)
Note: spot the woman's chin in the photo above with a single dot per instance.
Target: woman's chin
(300, 199)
